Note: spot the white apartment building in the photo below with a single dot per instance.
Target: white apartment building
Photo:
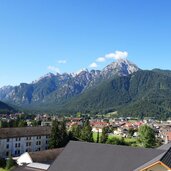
(16, 141)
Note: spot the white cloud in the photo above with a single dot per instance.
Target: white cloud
(117, 55)
(54, 69)
(93, 65)
(62, 62)
(100, 59)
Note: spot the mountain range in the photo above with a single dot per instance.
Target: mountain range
(120, 86)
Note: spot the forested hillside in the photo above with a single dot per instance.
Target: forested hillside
(4, 108)
(145, 93)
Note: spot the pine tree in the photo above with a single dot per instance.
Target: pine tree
(104, 136)
(10, 163)
(55, 135)
(147, 136)
(64, 136)
(86, 132)
(76, 131)
(59, 137)
(97, 140)
(2, 162)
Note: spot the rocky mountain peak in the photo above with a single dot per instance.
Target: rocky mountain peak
(121, 67)
(48, 75)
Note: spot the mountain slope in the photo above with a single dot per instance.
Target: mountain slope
(4, 108)
(144, 93)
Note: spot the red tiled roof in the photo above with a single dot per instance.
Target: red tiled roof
(99, 123)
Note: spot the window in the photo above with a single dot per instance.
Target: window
(7, 146)
(38, 149)
(7, 139)
(17, 139)
(28, 144)
(38, 143)
(17, 152)
(7, 153)
(17, 145)
(28, 138)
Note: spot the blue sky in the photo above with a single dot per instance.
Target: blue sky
(41, 36)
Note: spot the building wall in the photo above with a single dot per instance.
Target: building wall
(17, 146)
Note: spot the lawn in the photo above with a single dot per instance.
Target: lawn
(131, 141)
(95, 136)
(3, 169)
(110, 136)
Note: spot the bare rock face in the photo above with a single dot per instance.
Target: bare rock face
(122, 67)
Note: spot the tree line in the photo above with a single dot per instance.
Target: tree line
(60, 136)
(18, 123)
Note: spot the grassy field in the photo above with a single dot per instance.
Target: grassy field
(110, 136)
(3, 169)
(95, 136)
(131, 141)
(108, 115)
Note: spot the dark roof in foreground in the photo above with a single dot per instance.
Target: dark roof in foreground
(46, 156)
(166, 159)
(24, 132)
(156, 159)
(82, 156)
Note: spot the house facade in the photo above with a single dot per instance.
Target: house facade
(16, 141)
